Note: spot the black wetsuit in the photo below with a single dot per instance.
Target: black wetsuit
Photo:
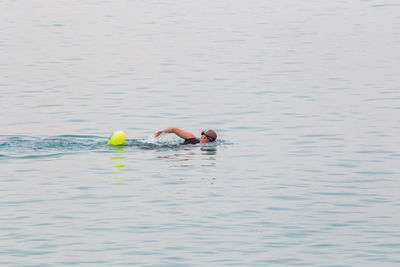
(191, 141)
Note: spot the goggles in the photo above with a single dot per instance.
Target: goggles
(210, 138)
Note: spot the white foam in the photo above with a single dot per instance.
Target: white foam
(164, 139)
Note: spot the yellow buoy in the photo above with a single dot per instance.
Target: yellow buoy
(117, 138)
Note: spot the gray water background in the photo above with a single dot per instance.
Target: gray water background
(305, 98)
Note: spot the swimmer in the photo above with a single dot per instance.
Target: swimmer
(206, 136)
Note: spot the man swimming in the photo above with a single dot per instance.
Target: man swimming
(206, 137)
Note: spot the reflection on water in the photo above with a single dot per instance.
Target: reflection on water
(118, 156)
(209, 154)
(178, 156)
(119, 178)
(183, 157)
(117, 161)
(119, 166)
(189, 156)
(209, 151)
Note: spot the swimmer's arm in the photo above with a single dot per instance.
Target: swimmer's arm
(179, 132)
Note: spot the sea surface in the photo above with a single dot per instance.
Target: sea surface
(304, 97)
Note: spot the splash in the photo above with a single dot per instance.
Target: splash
(164, 139)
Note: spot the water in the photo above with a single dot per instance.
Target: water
(304, 96)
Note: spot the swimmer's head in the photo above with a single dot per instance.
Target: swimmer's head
(208, 136)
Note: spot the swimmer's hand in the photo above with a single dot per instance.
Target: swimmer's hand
(157, 134)
(168, 130)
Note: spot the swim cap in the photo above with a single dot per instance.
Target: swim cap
(211, 134)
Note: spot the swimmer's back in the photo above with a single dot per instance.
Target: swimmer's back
(191, 141)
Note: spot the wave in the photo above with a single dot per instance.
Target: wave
(28, 147)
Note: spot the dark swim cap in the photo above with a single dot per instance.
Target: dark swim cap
(211, 134)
